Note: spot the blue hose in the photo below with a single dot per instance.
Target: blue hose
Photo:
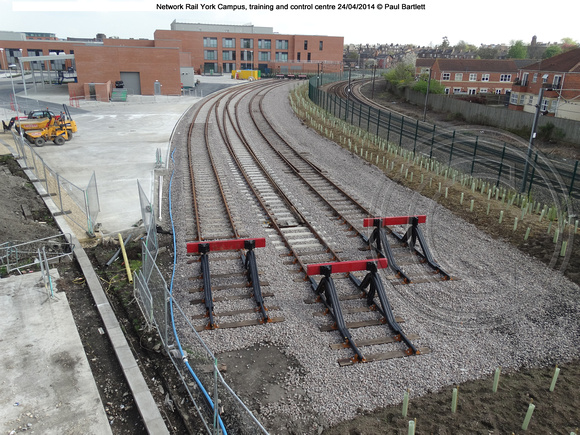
(199, 384)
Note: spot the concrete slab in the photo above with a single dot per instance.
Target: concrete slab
(47, 385)
(119, 143)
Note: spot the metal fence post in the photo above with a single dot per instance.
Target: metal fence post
(401, 131)
(500, 165)
(573, 178)
(416, 132)
(451, 150)
(369, 120)
(432, 142)
(359, 114)
(59, 191)
(474, 152)
(532, 176)
(389, 126)
(378, 121)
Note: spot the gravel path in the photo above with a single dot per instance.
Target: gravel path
(504, 308)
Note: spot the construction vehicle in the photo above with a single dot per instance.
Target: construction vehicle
(52, 128)
(45, 124)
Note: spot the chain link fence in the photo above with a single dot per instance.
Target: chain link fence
(79, 206)
(548, 179)
(196, 365)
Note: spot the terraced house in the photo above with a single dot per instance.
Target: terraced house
(471, 76)
(559, 76)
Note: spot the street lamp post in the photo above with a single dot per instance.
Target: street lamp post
(13, 66)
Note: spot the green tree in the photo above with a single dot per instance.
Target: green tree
(569, 44)
(445, 43)
(401, 75)
(517, 50)
(487, 53)
(552, 50)
(435, 87)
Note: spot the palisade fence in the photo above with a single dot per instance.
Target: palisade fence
(196, 365)
(489, 159)
(79, 206)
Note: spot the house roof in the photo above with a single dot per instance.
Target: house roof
(421, 62)
(491, 65)
(563, 62)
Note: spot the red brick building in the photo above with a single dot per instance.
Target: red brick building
(471, 76)
(163, 64)
(225, 48)
(560, 78)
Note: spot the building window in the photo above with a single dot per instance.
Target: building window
(229, 42)
(554, 105)
(456, 90)
(557, 82)
(265, 44)
(210, 42)
(210, 54)
(228, 55)
(483, 91)
(446, 76)
(472, 91)
(505, 78)
(498, 91)
(473, 77)
(298, 56)
(544, 106)
(447, 91)
(531, 99)
(545, 78)
(305, 45)
(229, 67)
(525, 79)
(522, 99)
(264, 55)
(514, 98)
(246, 43)
(281, 56)
(458, 77)
(320, 45)
(485, 77)
(210, 67)
(535, 78)
(247, 55)
(309, 58)
(281, 44)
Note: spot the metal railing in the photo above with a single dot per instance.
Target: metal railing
(217, 405)
(79, 206)
(494, 160)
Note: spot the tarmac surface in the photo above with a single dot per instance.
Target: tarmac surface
(117, 141)
(47, 385)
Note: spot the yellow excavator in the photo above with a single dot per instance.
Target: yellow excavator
(42, 125)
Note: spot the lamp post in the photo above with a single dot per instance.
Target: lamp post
(531, 142)
(13, 66)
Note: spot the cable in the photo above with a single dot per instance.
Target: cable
(184, 358)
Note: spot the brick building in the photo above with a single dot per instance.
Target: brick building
(225, 48)
(560, 77)
(471, 76)
(163, 64)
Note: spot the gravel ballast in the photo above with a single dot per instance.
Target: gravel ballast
(503, 308)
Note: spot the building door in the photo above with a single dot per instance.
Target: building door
(131, 82)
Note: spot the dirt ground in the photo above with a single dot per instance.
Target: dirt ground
(479, 410)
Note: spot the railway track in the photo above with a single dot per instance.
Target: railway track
(354, 300)
(466, 151)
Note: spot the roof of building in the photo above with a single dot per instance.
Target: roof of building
(568, 61)
(491, 65)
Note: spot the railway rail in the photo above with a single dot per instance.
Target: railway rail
(464, 150)
(359, 314)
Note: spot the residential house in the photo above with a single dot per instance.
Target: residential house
(471, 76)
(560, 77)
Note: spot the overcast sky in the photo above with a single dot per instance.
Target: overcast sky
(488, 22)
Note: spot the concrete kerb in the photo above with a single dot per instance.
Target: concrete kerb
(142, 395)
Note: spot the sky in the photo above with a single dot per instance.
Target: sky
(423, 24)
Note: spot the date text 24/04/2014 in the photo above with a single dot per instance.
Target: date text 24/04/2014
(379, 6)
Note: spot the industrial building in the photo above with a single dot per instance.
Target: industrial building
(165, 64)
